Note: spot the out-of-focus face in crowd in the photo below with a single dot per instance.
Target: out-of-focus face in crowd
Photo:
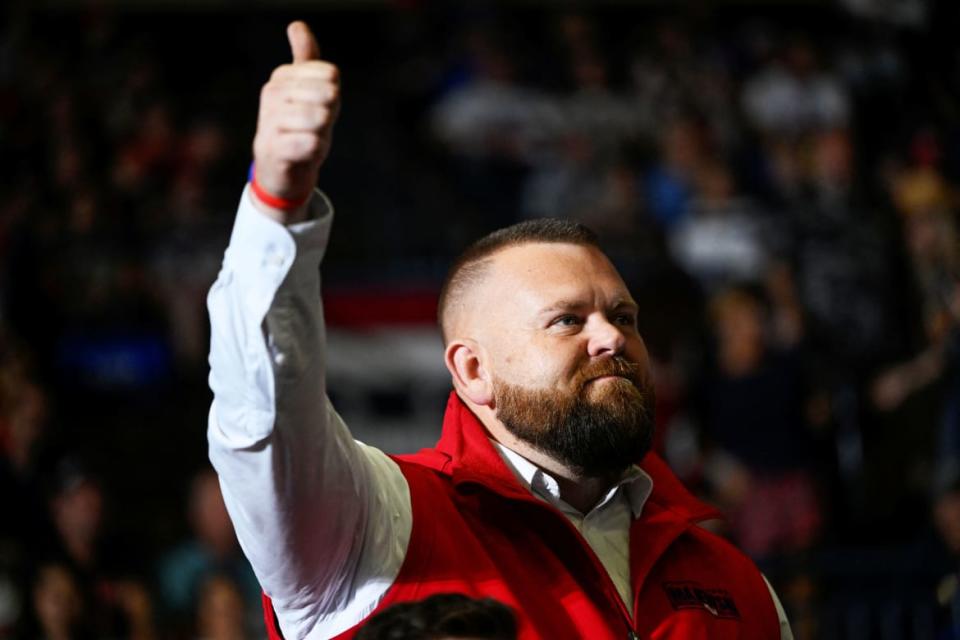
(208, 514)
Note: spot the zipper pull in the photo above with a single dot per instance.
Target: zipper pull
(632, 636)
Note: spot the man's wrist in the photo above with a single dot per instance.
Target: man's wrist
(277, 208)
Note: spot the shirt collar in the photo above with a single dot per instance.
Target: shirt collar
(635, 482)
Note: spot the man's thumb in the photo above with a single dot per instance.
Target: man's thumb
(302, 43)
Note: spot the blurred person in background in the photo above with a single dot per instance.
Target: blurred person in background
(722, 238)
(23, 425)
(761, 452)
(795, 93)
(675, 70)
(934, 252)
(582, 172)
(594, 110)
(211, 552)
(115, 600)
(62, 610)
(845, 253)
(925, 203)
(946, 519)
(26, 530)
(575, 184)
(221, 612)
(77, 511)
(916, 395)
(669, 183)
(188, 231)
(492, 123)
(58, 610)
(490, 113)
(844, 248)
(444, 616)
(752, 409)
(149, 154)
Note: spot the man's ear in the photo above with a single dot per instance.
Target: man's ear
(465, 360)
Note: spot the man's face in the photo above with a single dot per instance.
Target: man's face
(570, 371)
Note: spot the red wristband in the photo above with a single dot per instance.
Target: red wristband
(267, 198)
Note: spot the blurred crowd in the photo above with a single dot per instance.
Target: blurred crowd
(778, 188)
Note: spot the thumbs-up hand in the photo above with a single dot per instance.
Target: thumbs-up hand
(298, 107)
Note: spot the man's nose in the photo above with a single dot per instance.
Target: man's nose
(605, 338)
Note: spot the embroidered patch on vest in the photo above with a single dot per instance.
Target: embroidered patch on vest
(690, 595)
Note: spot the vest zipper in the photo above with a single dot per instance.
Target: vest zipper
(610, 588)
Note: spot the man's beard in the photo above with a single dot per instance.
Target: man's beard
(596, 431)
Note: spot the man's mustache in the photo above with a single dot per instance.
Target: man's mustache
(615, 366)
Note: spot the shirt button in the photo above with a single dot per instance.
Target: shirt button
(275, 256)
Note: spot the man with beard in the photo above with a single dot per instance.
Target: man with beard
(533, 495)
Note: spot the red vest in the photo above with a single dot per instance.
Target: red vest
(477, 531)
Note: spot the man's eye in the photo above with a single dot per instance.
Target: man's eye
(567, 321)
(625, 319)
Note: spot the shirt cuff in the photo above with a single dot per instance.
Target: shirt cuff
(262, 251)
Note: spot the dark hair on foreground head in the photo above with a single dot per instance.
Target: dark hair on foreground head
(470, 267)
(444, 615)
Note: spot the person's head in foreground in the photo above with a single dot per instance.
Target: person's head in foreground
(542, 344)
(445, 616)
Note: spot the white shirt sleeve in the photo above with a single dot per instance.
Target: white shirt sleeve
(786, 633)
(324, 520)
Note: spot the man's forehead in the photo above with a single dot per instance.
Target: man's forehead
(532, 257)
(551, 269)
(522, 281)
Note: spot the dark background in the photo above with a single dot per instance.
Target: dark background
(126, 132)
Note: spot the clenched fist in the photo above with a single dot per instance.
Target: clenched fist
(298, 107)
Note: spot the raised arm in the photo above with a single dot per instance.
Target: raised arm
(324, 520)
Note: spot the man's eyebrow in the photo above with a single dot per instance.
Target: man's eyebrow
(574, 305)
(563, 305)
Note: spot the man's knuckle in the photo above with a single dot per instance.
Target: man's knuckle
(281, 71)
(321, 117)
(274, 95)
(310, 146)
(289, 152)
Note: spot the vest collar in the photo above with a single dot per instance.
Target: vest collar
(634, 483)
(467, 456)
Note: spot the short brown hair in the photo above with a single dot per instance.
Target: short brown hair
(442, 615)
(469, 269)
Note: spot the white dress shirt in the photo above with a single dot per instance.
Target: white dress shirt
(324, 520)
